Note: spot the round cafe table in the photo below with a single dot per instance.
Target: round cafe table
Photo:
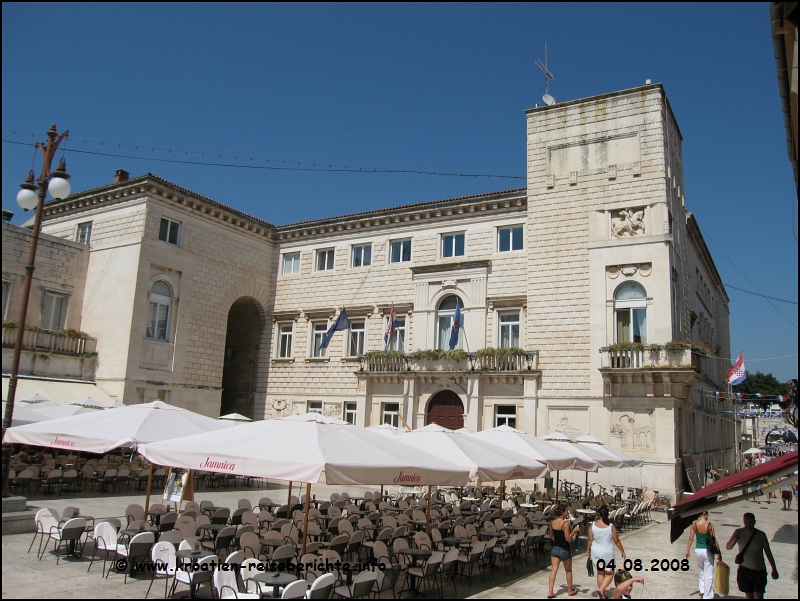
(275, 580)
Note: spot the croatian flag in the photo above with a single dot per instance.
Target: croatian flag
(457, 325)
(393, 325)
(737, 374)
(740, 396)
(718, 396)
(341, 323)
(758, 395)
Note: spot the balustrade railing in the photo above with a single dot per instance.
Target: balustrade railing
(470, 362)
(43, 340)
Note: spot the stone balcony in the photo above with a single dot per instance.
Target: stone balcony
(471, 362)
(663, 372)
(51, 354)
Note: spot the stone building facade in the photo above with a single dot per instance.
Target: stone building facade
(590, 271)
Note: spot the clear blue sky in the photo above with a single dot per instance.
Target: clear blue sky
(422, 87)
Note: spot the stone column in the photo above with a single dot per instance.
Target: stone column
(474, 406)
(363, 400)
(408, 408)
(530, 399)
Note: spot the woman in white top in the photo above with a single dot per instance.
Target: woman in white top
(602, 538)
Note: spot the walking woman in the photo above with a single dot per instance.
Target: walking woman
(561, 535)
(602, 538)
(702, 528)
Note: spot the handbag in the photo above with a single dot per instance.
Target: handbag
(739, 559)
(711, 542)
(590, 566)
(722, 578)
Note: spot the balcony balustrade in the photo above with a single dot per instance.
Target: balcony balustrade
(526, 361)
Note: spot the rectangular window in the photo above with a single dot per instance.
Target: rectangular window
(319, 333)
(397, 343)
(157, 320)
(390, 414)
(356, 343)
(400, 251)
(85, 232)
(362, 255)
(350, 413)
(55, 311)
(168, 231)
(509, 330)
(509, 238)
(505, 415)
(6, 291)
(325, 259)
(632, 325)
(285, 340)
(315, 407)
(453, 245)
(445, 331)
(291, 263)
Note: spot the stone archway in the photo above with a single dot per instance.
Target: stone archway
(240, 367)
(446, 410)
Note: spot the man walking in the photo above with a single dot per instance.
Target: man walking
(786, 495)
(753, 545)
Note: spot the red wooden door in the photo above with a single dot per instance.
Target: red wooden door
(446, 410)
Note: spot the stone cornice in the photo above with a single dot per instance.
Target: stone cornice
(424, 269)
(154, 187)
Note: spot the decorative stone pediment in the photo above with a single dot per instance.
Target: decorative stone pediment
(643, 269)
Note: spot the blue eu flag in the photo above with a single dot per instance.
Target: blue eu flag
(341, 323)
(457, 325)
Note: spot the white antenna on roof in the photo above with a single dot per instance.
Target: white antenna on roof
(547, 77)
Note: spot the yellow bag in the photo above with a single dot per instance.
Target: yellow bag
(722, 577)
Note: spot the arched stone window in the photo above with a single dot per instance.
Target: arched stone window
(445, 314)
(158, 312)
(630, 313)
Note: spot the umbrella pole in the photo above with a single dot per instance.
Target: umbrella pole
(586, 487)
(558, 472)
(381, 492)
(149, 487)
(289, 502)
(305, 519)
(428, 518)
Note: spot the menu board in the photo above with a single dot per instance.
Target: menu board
(176, 483)
(691, 473)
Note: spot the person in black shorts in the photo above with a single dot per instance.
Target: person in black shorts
(753, 545)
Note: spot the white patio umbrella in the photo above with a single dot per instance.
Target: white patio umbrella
(628, 459)
(40, 400)
(235, 417)
(101, 431)
(602, 459)
(302, 448)
(554, 456)
(484, 460)
(59, 411)
(23, 414)
(386, 430)
(88, 402)
(753, 451)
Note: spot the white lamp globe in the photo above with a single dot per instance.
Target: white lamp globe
(27, 199)
(58, 188)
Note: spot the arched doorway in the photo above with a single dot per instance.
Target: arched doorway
(240, 368)
(446, 410)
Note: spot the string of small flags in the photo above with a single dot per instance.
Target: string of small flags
(741, 397)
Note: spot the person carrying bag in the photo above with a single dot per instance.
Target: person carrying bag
(705, 551)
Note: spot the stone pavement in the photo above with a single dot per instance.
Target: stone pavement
(26, 577)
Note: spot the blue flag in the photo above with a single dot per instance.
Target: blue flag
(457, 325)
(341, 323)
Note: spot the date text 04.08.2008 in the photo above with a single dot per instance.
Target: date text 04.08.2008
(637, 565)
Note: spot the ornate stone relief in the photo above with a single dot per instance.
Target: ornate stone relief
(572, 422)
(643, 269)
(632, 428)
(627, 223)
(612, 172)
(277, 408)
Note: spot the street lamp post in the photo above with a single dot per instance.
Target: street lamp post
(32, 196)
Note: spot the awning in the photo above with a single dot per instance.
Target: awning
(60, 391)
(684, 513)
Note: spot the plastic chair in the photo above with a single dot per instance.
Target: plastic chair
(295, 590)
(46, 519)
(165, 564)
(71, 534)
(194, 578)
(139, 546)
(361, 587)
(321, 588)
(105, 539)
